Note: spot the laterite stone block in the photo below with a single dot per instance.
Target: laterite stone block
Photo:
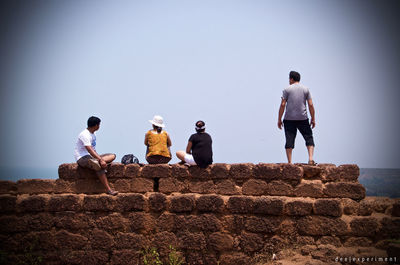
(240, 204)
(182, 203)
(210, 203)
(267, 171)
(241, 171)
(35, 186)
(329, 207)
(350, 190)
(269, 206)
(64, 202)
(156, 171)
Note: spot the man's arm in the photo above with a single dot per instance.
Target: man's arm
(146, 140)
(95, 155)
(312, 112)
(189, 148)
(281, 111)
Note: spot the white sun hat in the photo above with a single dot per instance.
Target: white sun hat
(157, 121)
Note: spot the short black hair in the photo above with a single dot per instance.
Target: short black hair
(93, 121)
(294, 75)
(200, 124)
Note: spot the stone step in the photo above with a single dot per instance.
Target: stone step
(284, 172)
(168, 185)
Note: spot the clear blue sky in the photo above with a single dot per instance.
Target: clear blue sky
(225, 62)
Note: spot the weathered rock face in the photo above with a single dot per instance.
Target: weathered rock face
(225, 213)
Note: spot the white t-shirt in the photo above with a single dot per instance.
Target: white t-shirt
(85, 138)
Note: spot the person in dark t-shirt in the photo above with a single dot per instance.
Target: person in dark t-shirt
(199, 148)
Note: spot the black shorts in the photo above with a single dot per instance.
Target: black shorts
(291, 131)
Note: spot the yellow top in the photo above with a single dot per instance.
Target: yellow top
(157, 143)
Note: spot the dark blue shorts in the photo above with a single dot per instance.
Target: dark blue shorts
(291, 127)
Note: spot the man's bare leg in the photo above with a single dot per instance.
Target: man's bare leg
(310, 149)
(289, 155)
(181, 155)
(104, 181)
(108, 158)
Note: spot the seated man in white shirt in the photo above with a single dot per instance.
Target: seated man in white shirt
(86, 155)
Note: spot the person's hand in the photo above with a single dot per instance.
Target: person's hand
(312, 123)
(280, 124)
(103, 163)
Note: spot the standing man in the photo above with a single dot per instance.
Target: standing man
(294, 98)
(86, 155)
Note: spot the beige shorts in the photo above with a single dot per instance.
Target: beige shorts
(85, 162)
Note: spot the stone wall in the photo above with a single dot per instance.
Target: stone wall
(225, 214)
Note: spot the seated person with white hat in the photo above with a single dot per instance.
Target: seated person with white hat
(158, 143)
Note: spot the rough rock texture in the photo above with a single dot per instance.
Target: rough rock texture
(225, 214)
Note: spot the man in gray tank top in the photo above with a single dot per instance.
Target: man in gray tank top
(294, 98)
